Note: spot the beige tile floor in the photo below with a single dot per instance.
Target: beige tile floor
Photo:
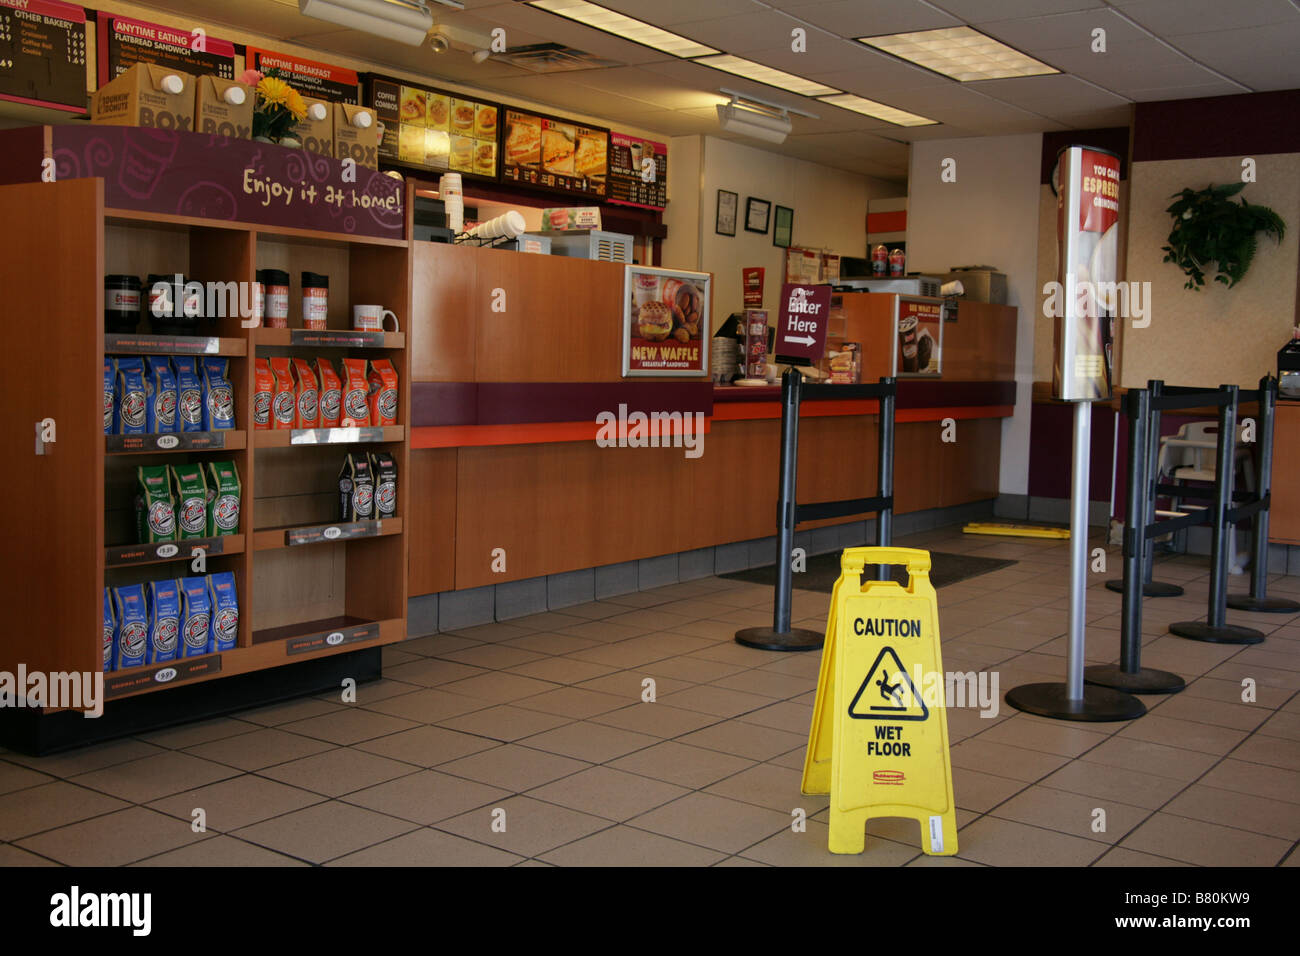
(539, 722)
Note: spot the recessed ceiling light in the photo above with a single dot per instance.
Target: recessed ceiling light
(766, 74)
(961, 53)
(877, 110)
(594, 15)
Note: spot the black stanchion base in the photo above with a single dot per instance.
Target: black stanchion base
(1098, 703)
(1269, 605)
(1145, 681)
(766, 639)
(1223, 634)
(1150, 589)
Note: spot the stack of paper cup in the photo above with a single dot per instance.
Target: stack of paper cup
(509, 225)
(453, 201)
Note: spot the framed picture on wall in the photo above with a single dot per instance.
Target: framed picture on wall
(728, 203)
(783, 227)
(666, 322)
(757, 213)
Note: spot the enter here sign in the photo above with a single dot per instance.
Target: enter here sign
(801, 325)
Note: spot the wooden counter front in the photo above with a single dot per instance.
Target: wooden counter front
(1284, 514)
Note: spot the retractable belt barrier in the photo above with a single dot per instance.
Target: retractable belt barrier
(781, 636)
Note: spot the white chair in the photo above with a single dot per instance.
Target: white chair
(1192, 455)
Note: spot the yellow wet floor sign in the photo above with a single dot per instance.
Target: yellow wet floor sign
(879, 738)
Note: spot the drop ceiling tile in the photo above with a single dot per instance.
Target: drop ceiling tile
(1173, 18)
(973, 11)
(1263, 58)
(1096, 119)
(1154, 94)
(852, 62)
(1060, 31)
(1125, 52)
(853, 18)
(1048, 94)
(558, 29)
(669, 14)
(741, 33)
(653, 89)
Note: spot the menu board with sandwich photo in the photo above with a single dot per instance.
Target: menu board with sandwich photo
(638, 172)
(555, 154)
(43, 54)
(128, 42)
(435, 129)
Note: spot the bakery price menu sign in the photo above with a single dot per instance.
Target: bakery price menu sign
(555, 154)
(638, 172)
(317, 80)
(434, 129)
(128, 42)
(43, 54)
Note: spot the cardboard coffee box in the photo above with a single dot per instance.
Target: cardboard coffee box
(356, 134)
(316, 131)
(223, 107)
(146, 95)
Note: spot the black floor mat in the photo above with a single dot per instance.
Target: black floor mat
(824, 570)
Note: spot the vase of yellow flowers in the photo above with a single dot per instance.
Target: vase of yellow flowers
(277, 108)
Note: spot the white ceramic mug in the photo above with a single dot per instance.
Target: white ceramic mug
(370, 318)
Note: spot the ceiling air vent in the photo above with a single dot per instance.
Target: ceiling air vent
(552, 58)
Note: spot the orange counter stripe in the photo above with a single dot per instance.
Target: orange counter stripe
(473, 436)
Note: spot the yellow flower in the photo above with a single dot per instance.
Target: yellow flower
(274, 92)
(295, 104)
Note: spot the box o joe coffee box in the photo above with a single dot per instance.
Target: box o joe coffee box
(356, 134)
(146, 95)
(316, 130)
(223, 107)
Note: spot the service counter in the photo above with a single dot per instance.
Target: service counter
(504, 407)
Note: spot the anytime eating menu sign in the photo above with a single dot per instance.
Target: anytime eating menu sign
(128, 42)
(553, 153)
(434, 129)
(43, 54)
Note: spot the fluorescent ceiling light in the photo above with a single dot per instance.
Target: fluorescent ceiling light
(593, 15)
(399, 20)
(735, 117)
(766, 75)
(877, 110)
(961, 53)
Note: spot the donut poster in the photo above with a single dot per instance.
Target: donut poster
(666, 322)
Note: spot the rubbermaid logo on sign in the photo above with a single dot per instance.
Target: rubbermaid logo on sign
(335, 638)
(167, 550)
(168, 441)
(332, 533)
(890, 778)
(164, 675)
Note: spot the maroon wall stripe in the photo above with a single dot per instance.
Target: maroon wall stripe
(1242, 125)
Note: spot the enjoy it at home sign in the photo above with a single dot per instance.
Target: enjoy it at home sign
(801, 328)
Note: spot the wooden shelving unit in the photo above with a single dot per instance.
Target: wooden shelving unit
(75, 529)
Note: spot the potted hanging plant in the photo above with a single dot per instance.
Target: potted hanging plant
(277, 107)
(1210, 228)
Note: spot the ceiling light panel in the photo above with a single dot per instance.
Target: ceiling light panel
(876, 110)
(593, 15)
(961, 53)
(766, 75)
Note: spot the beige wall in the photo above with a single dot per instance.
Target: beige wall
(830, 211)
(1217, 335)
(989, 216)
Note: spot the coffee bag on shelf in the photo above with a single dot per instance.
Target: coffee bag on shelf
(109, 390)
(382, 378)
(263, 390)
(155, 515)
(196, 617)
(384, 470)
(218, 396)
(189, 393)
(164, 620)
(331, 393)
(132, 401)
(356, 394)
(307, 388)
(223, 498)
(131, 637)
(225, 611)
(283, 402)
(356, 489)
(160, 387)
(190, 501)
(110, 629)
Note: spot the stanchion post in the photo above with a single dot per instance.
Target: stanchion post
(1130, 676)
(885, 469)
(1215, 629)
(1258, 599)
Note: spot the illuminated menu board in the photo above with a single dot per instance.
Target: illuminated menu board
(317, 80)
(43, 53)
(434, 129)
(128, 42)
(638, 172)
(555, 154)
